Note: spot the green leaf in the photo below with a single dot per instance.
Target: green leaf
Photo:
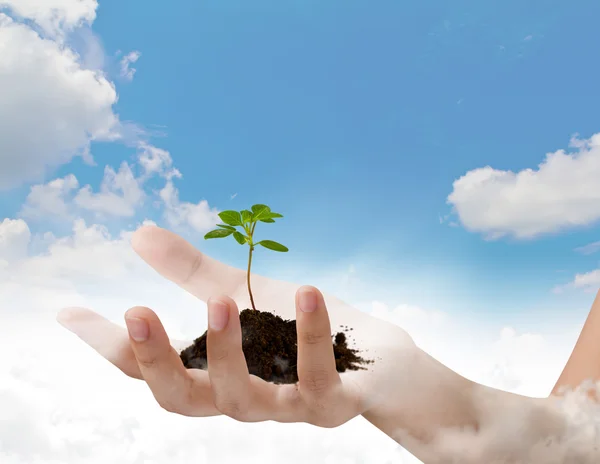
(269, 215)
(218, 233)
(239, 238)
(271, 245)
(260, 212)
(233, 218)
(256, 208)
(231, 228)
(246, 216)
(267, 220)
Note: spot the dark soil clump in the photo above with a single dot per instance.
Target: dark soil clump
(270, 346)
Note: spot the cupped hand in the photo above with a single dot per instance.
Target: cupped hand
(322, 396)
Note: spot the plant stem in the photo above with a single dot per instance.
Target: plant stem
(250, 232)
(248, 277)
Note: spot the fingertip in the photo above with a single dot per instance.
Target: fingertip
(140, 312)
(219, 299)
(307, 299)
(308, 289)
(66, 315)
(219, 312)
(143, 235)
(72, 316)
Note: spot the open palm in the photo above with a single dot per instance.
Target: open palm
(321, 397)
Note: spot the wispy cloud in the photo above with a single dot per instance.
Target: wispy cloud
(127, 71)
(589, 248)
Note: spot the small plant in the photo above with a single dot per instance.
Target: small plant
(247, 220)
(269, 342)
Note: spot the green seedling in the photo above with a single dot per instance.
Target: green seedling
(247, 220)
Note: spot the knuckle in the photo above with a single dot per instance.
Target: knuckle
(147, 362)
(177, 400)
(220, 354)
(326, 422)
(316, 381)
(318, 412)
(324, 412)
(232, 408)
(313, 338)
(169, 406)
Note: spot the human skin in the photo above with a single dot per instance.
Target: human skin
(584, 362)
(406, 393)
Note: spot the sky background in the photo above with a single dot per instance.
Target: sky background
(436, 164)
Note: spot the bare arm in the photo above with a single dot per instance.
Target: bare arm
(584, 363)
(442, 417)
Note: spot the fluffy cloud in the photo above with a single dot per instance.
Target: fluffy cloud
(199, 216)
(562, 193)
(14, 239)
(153, 160)
(120, 193)
(48, 200)
(52, 107)
(54, 16)
(589, 280)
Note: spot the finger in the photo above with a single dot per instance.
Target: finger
(177, 260)
(227, 367)
(236, 393)
(174, 389)
(108, 339)
(316, 362)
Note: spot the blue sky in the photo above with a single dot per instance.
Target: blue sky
(354, 120)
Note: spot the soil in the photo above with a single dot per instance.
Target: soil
(270, 346)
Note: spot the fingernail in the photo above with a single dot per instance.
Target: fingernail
(307, 300)
(218, 315)
(138, 328)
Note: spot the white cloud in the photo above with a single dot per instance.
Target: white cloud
(54, 16)
(199, 216)
(589, 249)
(52, 107)
(14, 239)
(589, 280)
(154, 160)
(562, 193)
(127, 71)
(49, 200)
(120, 193)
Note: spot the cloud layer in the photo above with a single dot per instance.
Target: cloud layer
(46, 389)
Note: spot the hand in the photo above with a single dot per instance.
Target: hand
(322, 396)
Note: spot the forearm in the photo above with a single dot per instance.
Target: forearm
(440, 416)
(584, 363)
